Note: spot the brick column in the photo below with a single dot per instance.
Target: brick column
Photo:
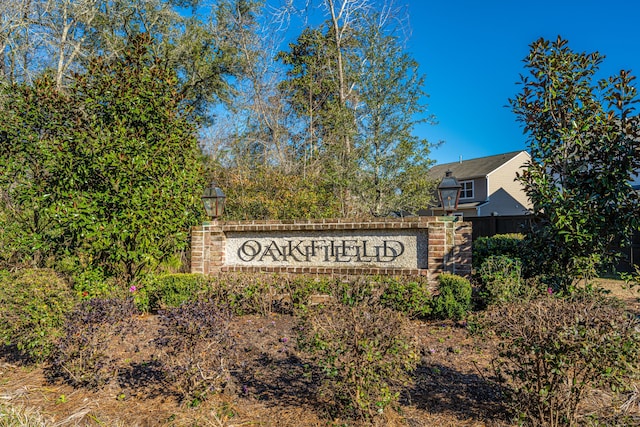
(464, 248)
(207, 248)
(197, 249)
(449, 247)
(437, 243)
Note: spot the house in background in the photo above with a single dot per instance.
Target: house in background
(489, 185)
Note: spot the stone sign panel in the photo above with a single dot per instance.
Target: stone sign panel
(406, 248)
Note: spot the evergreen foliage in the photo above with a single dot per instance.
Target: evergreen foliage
(583, 139)
(106, 173)
(33, 306)
(454, 299)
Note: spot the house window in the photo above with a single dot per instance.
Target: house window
(467, 190)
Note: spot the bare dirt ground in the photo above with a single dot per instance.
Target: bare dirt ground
(452, 386)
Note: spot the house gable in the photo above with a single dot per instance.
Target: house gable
(495, 189)
(506, 194)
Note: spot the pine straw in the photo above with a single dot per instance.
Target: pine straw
(449, 388)
(453, 386)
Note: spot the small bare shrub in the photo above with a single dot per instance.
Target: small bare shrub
(195, 346)
(554, 350)
(81, 355)
(365, 352)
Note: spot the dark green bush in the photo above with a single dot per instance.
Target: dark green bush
(408, 296)
(91, 283)
(554, 350)
(501, 280)
(88, 281)
(81, 355)
(365, 352)
(158, 292)
(300, 289)
(249, 293)
(454, 298)
(33, 304)
(510, 245)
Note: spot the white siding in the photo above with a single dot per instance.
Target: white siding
(506, 194)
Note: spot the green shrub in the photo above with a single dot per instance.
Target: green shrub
(91, 283)
(510, 245)
(300, 288)
(81, 355)
(408, 296)
(265, 294)
(501, 280)
(88, 281)
(365, 352)
(454, 299)
(157, 292)
(33, 304)
(248, 293)
(355, 291)
(555, 350)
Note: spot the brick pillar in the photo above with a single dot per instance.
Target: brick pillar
(207, 248)
(437, 242)
(463, 244)
(197, 249)
(449, 247)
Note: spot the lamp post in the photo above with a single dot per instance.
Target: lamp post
(213, 201)
(449, 192)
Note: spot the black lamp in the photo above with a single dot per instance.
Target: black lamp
(449, 192)
(213, 200)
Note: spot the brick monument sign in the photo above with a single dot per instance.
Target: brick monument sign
(425, 246)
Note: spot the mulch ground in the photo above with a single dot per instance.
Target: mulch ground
(452, 386)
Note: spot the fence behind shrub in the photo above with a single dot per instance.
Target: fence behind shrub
(488, 226)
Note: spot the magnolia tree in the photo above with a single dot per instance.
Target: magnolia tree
(583, 137)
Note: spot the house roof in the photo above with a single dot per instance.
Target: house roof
(472, 168)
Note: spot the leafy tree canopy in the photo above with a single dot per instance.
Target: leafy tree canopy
(584, 138)
(106, 174)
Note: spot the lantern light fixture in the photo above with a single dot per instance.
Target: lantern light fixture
(213, 200)
(449, 192)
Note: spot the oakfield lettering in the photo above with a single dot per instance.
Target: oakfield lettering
(320, 250)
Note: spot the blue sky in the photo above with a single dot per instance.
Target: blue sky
(471, 52)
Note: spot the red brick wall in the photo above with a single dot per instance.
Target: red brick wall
(449, 245)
